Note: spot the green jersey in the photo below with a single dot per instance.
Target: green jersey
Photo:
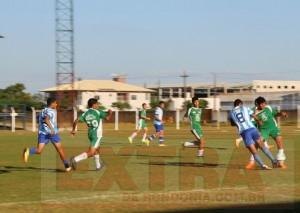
(195, 116)
(142, 120)
(93, 118)
(268, 118)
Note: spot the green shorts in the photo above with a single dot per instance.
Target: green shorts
(142, 124)
(266, 133)
(95, 139)
(197, 132)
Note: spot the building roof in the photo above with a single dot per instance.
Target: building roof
(99, 85)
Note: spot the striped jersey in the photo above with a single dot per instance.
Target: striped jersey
(242, 118)
(158, 114)
(52, 115)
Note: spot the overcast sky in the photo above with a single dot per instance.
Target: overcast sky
(151, 40)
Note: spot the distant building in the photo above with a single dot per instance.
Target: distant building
(221, 95)
(106, 91)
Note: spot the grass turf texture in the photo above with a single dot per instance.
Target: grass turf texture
(139, 178)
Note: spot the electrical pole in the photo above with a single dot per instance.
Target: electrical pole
(184, 76)
(214, 90)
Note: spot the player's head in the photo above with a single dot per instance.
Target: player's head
(161, 104)
(144, 105)
(237, 102)
(195, 102)
(93, 103)
(260, 102)
(52, 102)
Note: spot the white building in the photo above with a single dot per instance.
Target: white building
(106, 91)
(275, 86)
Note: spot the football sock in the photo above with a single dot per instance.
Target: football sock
(32, 151)
(258, 160)
(66, 163)
(97, 161)
(151, 137)
(251, 158)
(161, 140)
(268, 154)
(144, 136)
(81, 157)
(266, 144)
(133, 135)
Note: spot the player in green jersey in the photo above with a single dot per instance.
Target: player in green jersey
(267, 124)
(142, 125)
(93, 118)
(194, 115)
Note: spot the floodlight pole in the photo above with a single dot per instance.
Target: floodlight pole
(184, 76)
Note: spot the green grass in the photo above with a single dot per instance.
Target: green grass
(140, 178)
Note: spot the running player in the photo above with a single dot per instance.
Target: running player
(158, 125)
(48, 131)
(266, 119)
(142, 125)
(93, 118)
(241, 117)
(194, 114)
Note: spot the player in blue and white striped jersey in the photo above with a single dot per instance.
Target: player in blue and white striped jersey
(241, 117)
(48, 131)
(158, 125)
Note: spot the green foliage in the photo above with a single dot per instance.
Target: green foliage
(15, 95)
(121, 105)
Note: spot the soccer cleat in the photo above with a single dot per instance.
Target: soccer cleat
(265, 167)
(250, 165)
(200, 154)
(26, 155)
(68, 169)
(130, 140)
(281, 165)
(147, 142)
(73, 163)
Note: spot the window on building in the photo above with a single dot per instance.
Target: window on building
(271, 87)
(265, 86)
(279, 87)
(293, 87)
(257, 86)
(133, 97)
(122, 96)
(97, 97)
(285, 87)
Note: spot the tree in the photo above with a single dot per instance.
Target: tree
(121, 105)
(15, 96)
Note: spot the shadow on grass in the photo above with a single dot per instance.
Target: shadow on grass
(8, 169)
(187, 164)
(274, 207)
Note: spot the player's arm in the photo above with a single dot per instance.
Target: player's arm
(108, 115)
(47, 121)
(73, 132)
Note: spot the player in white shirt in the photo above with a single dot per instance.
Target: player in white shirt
(158, 125)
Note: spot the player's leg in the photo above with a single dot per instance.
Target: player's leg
(281, 157)
(42, 141)
(154, 135)
(197, 132)
(161, 137)
(59, 148)
(238, 141)
(145, 130)
(264, 149)
(253, 151)
(251, 138)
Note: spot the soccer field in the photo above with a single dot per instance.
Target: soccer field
(137, 178)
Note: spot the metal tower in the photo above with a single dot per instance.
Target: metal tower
(64, 35)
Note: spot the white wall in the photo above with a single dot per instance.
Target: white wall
(276, 86)
(107, 98)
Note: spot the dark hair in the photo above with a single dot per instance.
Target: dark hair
(144, 104)
(259, 100)
(50, 101)
(161, 102)
(194, 99)
(237, 102)
(91, 102)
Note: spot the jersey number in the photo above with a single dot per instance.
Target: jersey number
(92, 123)
(239, 116)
